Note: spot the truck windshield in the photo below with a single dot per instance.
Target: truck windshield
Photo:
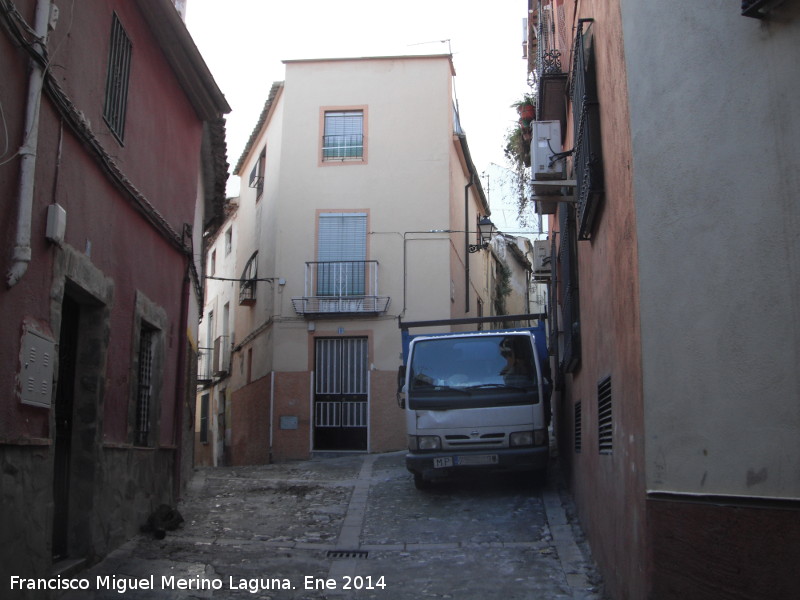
(473, 366)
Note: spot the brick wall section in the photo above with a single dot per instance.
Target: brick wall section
(292, 400)
(712, 551)
(250, 423)
(388, 420)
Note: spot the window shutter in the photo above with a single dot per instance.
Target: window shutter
(342, 236)
(342, 250)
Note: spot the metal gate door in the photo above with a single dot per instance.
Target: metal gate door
(340, 394)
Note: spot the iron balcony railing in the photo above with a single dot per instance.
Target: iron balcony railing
(546, 28)
(205, 358)
(336, 287)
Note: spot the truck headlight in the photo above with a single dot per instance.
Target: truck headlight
(521, 438)
(424, 442)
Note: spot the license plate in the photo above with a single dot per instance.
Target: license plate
(481, 459)
(441, 463)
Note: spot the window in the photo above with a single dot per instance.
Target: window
(568, 288)
(147, 371)
(586, 124)
(212, 267)
(341, 254)
(247, 282)
(119, 65)
(578, 428)
(605, 424)
(144, 386)
(257, 174)
(343, 137)
(228, 241)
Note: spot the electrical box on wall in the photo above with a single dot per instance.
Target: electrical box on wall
(36, 369)
(545, 144)
(56, 223)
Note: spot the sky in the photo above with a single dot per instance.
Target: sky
(245, 41)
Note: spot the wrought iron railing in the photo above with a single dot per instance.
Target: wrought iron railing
(342, 147)
(205, 358)
(349, 286)
(548, 55)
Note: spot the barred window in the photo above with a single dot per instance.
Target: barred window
(586, 125)
(117, 79)
(144, 386)
(570, 345)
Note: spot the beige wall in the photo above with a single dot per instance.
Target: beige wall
(718, 246)
(410, 183)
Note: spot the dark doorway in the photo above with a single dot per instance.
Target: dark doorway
(64, 412)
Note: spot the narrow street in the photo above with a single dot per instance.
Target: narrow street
(353, 527)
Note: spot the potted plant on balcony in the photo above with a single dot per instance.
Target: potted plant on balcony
(526, 109)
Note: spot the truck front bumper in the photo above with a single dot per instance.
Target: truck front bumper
(435, 465)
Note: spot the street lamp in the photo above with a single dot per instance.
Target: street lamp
(486, 230)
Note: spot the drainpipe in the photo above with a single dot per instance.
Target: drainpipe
(21, 255)
(466, 239)
(180, 384)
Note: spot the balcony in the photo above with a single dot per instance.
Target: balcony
(214, 363)
(222, 356)
(548, 74)
(334, 288)
(205, 357)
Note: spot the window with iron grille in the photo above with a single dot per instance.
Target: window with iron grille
(578, 427)
(568, 291)
(117, 79)
(605, 423)
(144, 386)
(343, 136)
(588, 159)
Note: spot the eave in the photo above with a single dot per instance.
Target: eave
(184, 58)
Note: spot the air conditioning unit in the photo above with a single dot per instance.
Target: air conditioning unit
(546, 142)
(541, 257)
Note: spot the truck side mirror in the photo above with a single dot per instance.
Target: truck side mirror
(401, 381)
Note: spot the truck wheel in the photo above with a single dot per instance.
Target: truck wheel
(420, 482)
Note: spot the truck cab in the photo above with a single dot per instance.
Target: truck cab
(474, 401)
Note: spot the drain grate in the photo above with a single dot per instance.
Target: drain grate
(347, 553)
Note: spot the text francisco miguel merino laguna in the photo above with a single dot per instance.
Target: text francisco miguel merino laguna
(196, 582)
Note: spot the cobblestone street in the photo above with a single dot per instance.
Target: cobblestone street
(353, 527)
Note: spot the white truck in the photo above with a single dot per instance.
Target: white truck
(475, 401)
